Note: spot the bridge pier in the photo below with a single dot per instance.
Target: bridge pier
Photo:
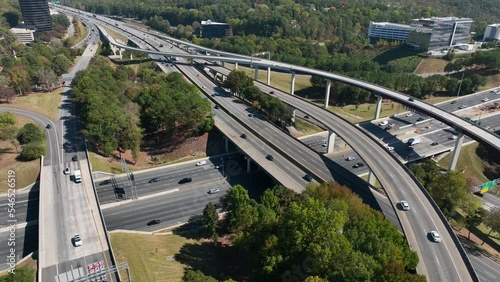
(256, 74)
(330, 141)
(378, 106)
(293, 115)
(456, 151)
(131, 57)
(236, 66)
(226, 144)
(371, 178)
(268, 75)
(222, 63)
(327, 92)
(215, 77)
(292, 84)
(249, 164)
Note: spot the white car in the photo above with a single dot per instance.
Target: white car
(453, 137)
(77, 241)
(350, 158)
(213, 191)
(436, 237)
(66, 171)
(201, 163)
(409, 114)
(390, 148)
(404, 205)
(485, 99)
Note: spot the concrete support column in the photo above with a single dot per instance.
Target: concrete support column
(222, 63)
(224, 78)
(456, 151)
(120, 51)
(327, 92)
(293, 115)
(330, 141)
(378, 107)
(131, 58)
(236, 66)
(226, 144)
(215, 77)
(249, 164)
(268, 75)
(371, 178)
(256, 77)
(292, 84)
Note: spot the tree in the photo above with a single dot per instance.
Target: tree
(197, 276)
(19, 78)
(210, 220)
(12, 18)
(46, 77)
(32, 151)
(448, 191)
(30, 133)
(61, 64)
(473, 220)
(237, 81)
(8, 133)
(7, 119)
(492, 220)
(61, 19)
(241, 211)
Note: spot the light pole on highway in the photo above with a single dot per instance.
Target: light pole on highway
(460, 86)
(223, 168)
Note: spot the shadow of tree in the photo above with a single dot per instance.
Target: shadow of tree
(219, 261)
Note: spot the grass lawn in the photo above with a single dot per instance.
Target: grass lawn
(377, 184)
(435, 100)
(117, 36)
(46, 104)
(306, 127)
(279, 80)
(470, 162)
(149, 256)
(26, 172)
(366, 112)
(431, 66)
(491, 81)
(80, 33)
(25, 272)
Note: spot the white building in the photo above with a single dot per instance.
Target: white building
(388, 31)
(24, 35)
(492, 32)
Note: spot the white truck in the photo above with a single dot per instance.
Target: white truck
(414, 141)
(78, 176)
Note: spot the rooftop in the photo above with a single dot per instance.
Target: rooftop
(390, 24)
(445, 19)
(209, 22)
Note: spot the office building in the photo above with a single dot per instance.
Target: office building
(210, 29)
(492, 32)
(388, 31)
(36, 14)
(431, 34)
(24, 35)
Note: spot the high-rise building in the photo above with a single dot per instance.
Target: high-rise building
(430, 34)
(210, 29)
(388, 31)
(36, 14)
(492, 32)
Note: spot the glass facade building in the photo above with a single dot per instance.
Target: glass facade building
(388, 31)
(210, 29)
(36, 14)
(433, 34)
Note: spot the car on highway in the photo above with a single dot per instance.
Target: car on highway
(185, 180)
(435, 236)
(153, 222)
(48, 126)
(154, 180)
(250, 115)
(453, 137)
(325, 144)
(77, 241)
(358, 165)
(485, 99)
(105, 182)
(243, 135)
(388, 128)
(271, 92)
(350, 158)
(308, 178)
(453, 102)
(382, 123)
(216, 106)
(213, 191)
(200, 163)
(306, 116)
(404, 205)
(74, 158)
(392, 124)
(463, 107)
(390, 148)
(409, 114)
(270, 157)
(66, 171)
(434, 143)
(420, 119)
(411, 99)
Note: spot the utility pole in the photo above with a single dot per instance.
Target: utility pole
(460, 86)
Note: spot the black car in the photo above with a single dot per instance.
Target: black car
(420, 119)
(185, 180)
(154, 222)
(243, 135)
(105, 182)
(308, 177)
(411, 100)
(48, 126)
(270, 157)
(216, 106)
(75, 158)
(434, 143)
(358, 165)
(388, 128)
(453, 102)
(154, 180)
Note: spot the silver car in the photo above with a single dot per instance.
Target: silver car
(404, 205)
(436, 237)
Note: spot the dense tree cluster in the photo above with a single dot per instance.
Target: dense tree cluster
(275, 109)
(326, 232)
(119, 105)
(30, 137)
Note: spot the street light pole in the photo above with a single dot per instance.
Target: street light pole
(460, 86)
